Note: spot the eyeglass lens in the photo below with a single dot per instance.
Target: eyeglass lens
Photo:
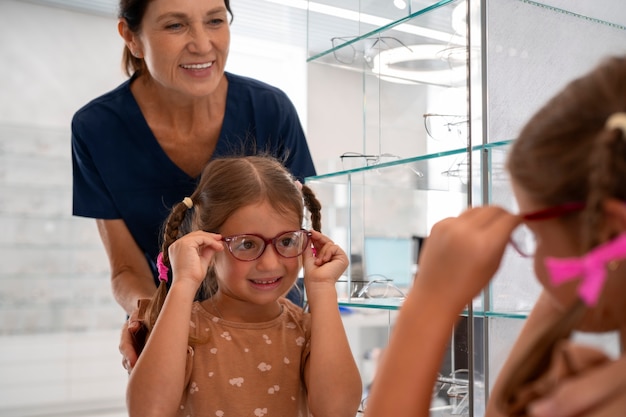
(523, 240)
(345, 55)
(250, 247)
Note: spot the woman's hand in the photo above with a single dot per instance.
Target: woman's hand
(127, 345)
(325, 262)
(191, 255)
(462, 253)
(597, 390)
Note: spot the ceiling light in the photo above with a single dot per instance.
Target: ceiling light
(400, 4)
(459, 19)
(385, 65)
(370, 19)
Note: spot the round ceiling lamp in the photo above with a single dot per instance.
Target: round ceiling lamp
(422, 63)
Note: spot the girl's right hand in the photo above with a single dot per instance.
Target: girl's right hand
(462, 254)
(191, 255)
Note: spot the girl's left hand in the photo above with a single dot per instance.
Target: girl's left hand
(597, 390)
(325, 261)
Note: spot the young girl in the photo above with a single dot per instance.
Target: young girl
(568, 170)
(225, 341)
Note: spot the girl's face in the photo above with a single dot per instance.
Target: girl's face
(184, 44)
(552, 238)
(559, 238)
(263, 280)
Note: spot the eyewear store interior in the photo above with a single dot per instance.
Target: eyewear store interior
(409, 108)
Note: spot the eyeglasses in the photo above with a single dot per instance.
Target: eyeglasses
(455, 389)
(523, 240)
(458, 169)
(347, 54)
(249, 247)
(351, 160)
(443, 127)
(380, 288)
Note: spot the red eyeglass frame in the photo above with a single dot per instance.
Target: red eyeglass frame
(554, 211)
(546, 214)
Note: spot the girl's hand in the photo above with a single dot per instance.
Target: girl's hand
(597, 390)
(191, 255)
(462, 254)
(325, 262)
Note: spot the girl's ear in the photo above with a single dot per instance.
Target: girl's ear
(615, 216)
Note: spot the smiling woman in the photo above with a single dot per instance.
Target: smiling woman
(139, 149)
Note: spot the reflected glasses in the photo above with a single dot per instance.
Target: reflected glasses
(523, 240)
(249, 247)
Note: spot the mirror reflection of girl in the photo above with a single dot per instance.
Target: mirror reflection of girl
(568, 170)
(223, 340)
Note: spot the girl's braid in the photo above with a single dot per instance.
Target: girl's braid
(313, 205)
(607, 168)
(170, 234)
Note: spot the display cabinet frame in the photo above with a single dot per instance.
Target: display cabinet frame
(503, 59)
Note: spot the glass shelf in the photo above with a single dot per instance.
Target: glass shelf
(593, 14)
(422, 46)
(380, 303)
(396, 304)
(418, 164)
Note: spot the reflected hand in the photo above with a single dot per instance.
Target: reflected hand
(462, 254)
(598, 390)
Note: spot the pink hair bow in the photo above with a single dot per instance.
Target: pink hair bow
(591, 268)
(163, 270)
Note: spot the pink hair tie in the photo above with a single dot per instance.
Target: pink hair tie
(591, 268)
(163, 270)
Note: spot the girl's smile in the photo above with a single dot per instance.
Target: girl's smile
(255, 286)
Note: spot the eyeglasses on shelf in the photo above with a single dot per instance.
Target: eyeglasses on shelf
(352, 160)
(442, 127)
(456, 391)
(458, 169)
(380, 288)
(345, 51)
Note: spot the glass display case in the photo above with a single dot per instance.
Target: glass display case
(421, 100)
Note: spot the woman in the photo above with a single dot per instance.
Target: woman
(140, 148)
